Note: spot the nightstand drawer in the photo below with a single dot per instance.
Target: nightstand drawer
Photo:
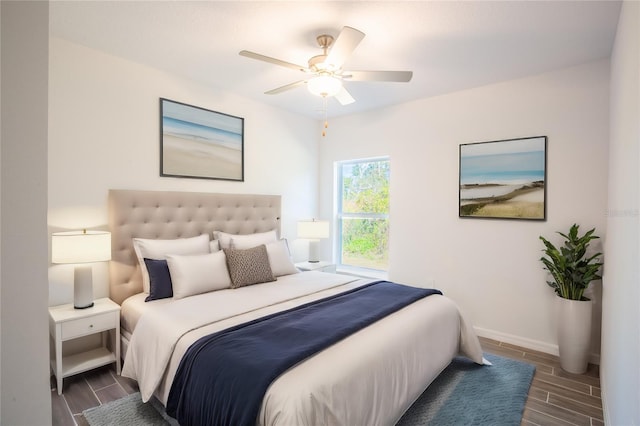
(83, 326)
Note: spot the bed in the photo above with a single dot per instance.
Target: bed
(370, 377)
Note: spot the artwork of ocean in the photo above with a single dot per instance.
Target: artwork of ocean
(201, 143)
(510, 168)
(201, 133)
(496, 174)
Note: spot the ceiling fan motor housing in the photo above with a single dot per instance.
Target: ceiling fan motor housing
(317, 64)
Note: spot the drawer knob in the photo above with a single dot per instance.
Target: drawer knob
(90, 325)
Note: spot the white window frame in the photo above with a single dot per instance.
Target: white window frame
(339, 216)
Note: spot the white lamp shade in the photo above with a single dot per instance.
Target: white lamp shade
(324, 85)
(313, 229)
(80, 246)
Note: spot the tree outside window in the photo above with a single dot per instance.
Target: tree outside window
(363, 213)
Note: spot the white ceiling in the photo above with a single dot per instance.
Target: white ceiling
(449, 45)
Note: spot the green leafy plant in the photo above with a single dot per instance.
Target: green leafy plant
(571, 270)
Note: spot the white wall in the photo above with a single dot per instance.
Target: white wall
(620, 368)
(24, 330)
(0, 212)
(490, 268)
(104, 133)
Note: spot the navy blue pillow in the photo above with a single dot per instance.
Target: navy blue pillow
(160, 286)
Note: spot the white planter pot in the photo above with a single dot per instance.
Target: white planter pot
(574, 334)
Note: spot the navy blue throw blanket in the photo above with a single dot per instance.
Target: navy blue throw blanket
(223, 377)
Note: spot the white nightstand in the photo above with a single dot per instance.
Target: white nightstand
(317, 266)
(66, 323)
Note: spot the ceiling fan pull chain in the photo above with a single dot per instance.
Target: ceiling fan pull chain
(326, 122)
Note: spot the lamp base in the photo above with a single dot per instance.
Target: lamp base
(83, 307)
(314, 251)
(82, 287)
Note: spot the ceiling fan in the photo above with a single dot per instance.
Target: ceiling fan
(325, 72)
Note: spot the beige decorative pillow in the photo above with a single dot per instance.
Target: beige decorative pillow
(244, 241)
(250, 266)
(198, 273)
(280, 258)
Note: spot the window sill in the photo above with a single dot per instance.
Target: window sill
(362, 272)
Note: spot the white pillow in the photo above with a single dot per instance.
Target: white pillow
(245, 241)
(197, 274)
(214, 246)
(280, 258)
(159, 249)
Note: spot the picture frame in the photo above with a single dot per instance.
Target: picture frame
(504, 179)
(200, 143)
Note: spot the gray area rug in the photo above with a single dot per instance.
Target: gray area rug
(464, 394)
(469, 394)
(129, 410)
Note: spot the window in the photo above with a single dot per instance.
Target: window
(363, 213)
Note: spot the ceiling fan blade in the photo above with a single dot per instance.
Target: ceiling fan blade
(397, 76)
(344, 97)
(271, 60)
(347, 41)
(285, 87)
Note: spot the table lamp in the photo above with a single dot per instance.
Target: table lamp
(313, 230)
(81, 247)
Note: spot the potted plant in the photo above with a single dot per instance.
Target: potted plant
(572, 272)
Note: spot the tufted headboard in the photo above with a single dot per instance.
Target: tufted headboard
(168, 215)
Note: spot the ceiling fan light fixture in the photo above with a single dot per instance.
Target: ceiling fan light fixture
(324, 85)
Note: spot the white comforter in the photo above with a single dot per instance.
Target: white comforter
(390, 362)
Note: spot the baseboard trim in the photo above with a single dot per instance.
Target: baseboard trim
(535, 345)
(603, 397)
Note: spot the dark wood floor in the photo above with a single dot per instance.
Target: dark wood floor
(555, 398)
(87, 390)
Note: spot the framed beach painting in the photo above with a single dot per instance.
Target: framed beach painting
(504, 179)
(200, 143)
